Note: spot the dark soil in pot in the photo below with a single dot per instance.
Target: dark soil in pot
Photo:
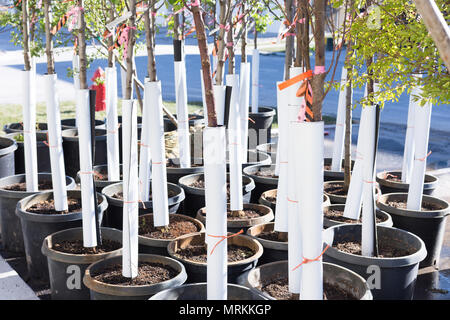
(39, 219)
(155, 240)
(264, 177)
(259, 126)
(156, 273)
(71, 124)
(68, 260)
(335, 191)
(339, 283)
(333, 214)
(269, 198)
(41, 127)
(391, 182)
(7, 148)
(428, 224)
(113, 193)
(198, 291)
(43, 154)
(194, 187)
(243, 255)
(329, 175)
(13, 189)
(174, 172)
(270, 149)
(194, 120)
(275, 243)
(72, 151)
(251, 215)
(393, 274)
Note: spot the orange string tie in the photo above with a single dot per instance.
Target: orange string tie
(284, 162)
(114, 131)
(143, 145)
(251, 120)
(306, 260)
(223, 238)
(424, 158)
(156, 162)
(290, 200)
(368, 181)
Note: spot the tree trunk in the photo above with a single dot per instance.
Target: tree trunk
(318, 80)
(348, 121)
(289, 41)
(111, 40)
(305, 35)
(230, 47)
(25, 34)
(176, 26)
(48, 38)
(149, 36)
(298, 37)
(206, 66)
(82, 47)
(244, 35)
(221, 40)
(255, 38)
(131, 40)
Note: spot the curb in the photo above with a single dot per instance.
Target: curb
(12, 287)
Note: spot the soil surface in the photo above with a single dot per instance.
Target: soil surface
(149, 273)
(426, 206)
(245, 214)
(278, 288)
(119, 195)
(335, 189)
(273, 236)
(266, 174)
(48, 207)
(76, 247)
(337, 215)
(42, 186)
(393, 177)
(103, 177)
(385, 248)
(178, 226)
(198, 253)
(200, 184)
(327, 167)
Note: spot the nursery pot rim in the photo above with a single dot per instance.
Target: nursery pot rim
(54, 218)
(247, 182)
(67, 137)
(256, 256)
(238, 223)
(341, 205)
(147, 204)
(164, 242)
(251, 170)
(135, 291)
(270, 244)
(268, 112)
(9, 148)
(48, 251)
(14, 194)
(430, 180)
(41, 137)
(395, 262)
(377, 189)
(381, 204)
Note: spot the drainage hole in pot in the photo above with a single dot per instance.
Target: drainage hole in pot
(337, 215)
(48, 207)
(197, 253)
(274, 236)
(76, 247)
(278, 288)
(148, 273)
(178, 226)
(22, 186)
(390, 248)
(426, 206)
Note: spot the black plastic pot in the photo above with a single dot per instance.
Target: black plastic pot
(41, 127)
(139, 130)
(253, 158)
(273, 250)
(386, 218)
(390, 186)
(346, 280)
(71, 124)
(329, 175)
(159, 246)
(262, 184)
(197, 291)
(11, 230)
(340, 199)
(114, 216)
(270, 149)
(72, 151)
(428, 225)
(273, 194)
(396, 276)
(7, 148)
(35, 227)
(66, 270)
(103, 291)
(43, 154)
(235, 225)
(195, 197)
(194, 120)
(259, 126)
(175, 173)
(196, 271)
(101, 170)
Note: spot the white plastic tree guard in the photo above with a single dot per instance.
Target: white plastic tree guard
(408, 152)
(184, 144)
(244, 97)
(112, 125)
(130, 190)
(339, 133)
(255, 80)
(145, 168)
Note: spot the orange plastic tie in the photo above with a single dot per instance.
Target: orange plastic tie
(295, 80)
(306, 260)
(424, 158)
(223, 238)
